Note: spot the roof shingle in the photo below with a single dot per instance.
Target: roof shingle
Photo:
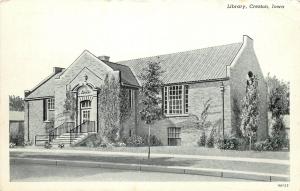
(127, 76)
(195, 65)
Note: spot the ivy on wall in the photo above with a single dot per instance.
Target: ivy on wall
(113, 109)
(250, 110)
(125, 110)
(70, 104)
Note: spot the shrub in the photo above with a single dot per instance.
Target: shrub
(103, 145)
(278, 134)
(135, 141)
(270, 144)
(27, 143)
(228, 144)
(154, 141)
(202, 140)
(265, 145)
(12, 145)
(18, 139)
(277, 143)
(47, 145)
(287, 144)
(210, 141)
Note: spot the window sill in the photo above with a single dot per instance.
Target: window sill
(177, 115)
(48, 121)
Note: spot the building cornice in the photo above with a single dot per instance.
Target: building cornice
(38, 98)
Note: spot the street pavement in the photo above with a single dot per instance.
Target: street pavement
(248, 168)
(51, 173)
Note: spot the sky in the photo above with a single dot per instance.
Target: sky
(39, 35)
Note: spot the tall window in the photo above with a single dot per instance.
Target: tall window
(175, 99)
(50, 104)
(131, 98)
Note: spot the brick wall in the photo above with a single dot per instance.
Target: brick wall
(88, 65)
(245, 62)
(199, 93)
(130, 124)
(36, 123)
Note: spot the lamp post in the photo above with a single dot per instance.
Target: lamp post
(222, 92)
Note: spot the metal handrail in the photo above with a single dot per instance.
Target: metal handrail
(44, 138)
(85, 127)
(63, 128)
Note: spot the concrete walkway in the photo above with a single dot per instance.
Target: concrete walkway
(155, 155)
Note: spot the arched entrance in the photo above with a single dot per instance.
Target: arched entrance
(86, 107)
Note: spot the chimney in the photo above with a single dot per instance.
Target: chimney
(247, 39)
(26, 93)
(57, 69)
(104, 58)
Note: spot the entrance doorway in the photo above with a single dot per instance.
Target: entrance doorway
(85, 107)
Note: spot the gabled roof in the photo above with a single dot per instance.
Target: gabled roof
(127, 76)
(45, 88)
(190, 66)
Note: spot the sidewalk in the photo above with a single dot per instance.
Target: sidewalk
(248, 168)
(156, 155)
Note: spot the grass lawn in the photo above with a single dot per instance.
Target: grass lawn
(190, 150)
(164, 161)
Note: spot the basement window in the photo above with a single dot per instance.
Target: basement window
(174, 138)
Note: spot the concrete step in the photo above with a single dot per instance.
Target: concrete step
(65, 138)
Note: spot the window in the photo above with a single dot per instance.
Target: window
(85, 104)
(175, 99)
(50, 104)
(131, 98)
(186, 98)
(174, 136)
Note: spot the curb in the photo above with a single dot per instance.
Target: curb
(155, 168)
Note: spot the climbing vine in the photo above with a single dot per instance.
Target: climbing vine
(113, 109)
(70, 104)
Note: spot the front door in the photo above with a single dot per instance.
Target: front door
(85, 107)
(85, 113)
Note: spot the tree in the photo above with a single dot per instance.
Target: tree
(109, 109)
(279, 105)
(150, 100)
(16, 103)
(279, 96)
(250, 111)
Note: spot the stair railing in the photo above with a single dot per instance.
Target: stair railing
(85, 127)
(61, 129)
